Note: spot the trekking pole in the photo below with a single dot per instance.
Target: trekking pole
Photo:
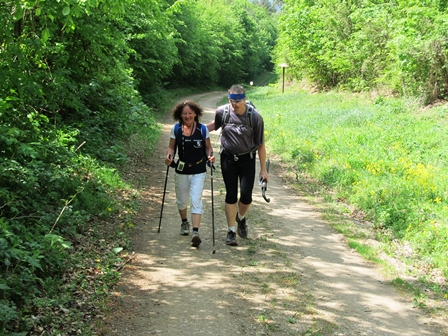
(163, 198)
(164, 192)
(213, 207)
(264, 184)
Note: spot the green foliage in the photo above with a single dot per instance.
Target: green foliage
(150, 35)
(257, 36)
(198, 62)
(66, 100)
(365, 45)
(221, 42)
(418, 53)
(81, 84)
(382, 159)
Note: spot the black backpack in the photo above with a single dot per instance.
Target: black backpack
(226, 115)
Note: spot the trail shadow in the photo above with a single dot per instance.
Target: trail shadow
(293, 268)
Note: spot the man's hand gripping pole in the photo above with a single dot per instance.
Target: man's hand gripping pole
(264, 184)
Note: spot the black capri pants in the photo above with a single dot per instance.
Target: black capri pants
(243, 171)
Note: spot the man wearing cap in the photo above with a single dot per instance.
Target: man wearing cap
(241, 139)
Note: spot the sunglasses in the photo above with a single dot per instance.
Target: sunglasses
(236, 101)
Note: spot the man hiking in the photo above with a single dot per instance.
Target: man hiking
(242, 136)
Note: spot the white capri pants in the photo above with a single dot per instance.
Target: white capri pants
(189, 187)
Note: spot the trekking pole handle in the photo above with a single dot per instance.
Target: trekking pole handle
(173, 163)
(264, 184)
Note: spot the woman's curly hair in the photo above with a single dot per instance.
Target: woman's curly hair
(177, 111)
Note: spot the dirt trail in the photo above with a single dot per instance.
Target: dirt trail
(293, 276)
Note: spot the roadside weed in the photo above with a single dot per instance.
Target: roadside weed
(376, 172)
(386, 162)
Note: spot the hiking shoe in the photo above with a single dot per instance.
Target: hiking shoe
(242, 228)
(231, 238)
(195, 240)
(185, 229)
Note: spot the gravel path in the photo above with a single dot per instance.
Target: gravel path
(293, 276)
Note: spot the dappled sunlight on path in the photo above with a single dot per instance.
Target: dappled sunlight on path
(294, 275)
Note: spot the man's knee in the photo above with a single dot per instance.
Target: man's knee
(246, 199)
(231, 199)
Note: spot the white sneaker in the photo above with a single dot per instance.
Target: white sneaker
(185, 228)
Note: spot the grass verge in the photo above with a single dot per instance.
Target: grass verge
(378, 165)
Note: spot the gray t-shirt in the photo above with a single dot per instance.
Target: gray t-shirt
(237, 137)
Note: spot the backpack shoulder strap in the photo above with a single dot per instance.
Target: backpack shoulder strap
(176, 134)
(176, 129)
(250, 109)
(226, 115)
(203, 131)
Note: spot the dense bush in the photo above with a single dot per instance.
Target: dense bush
(366, 45)
(78, 79)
